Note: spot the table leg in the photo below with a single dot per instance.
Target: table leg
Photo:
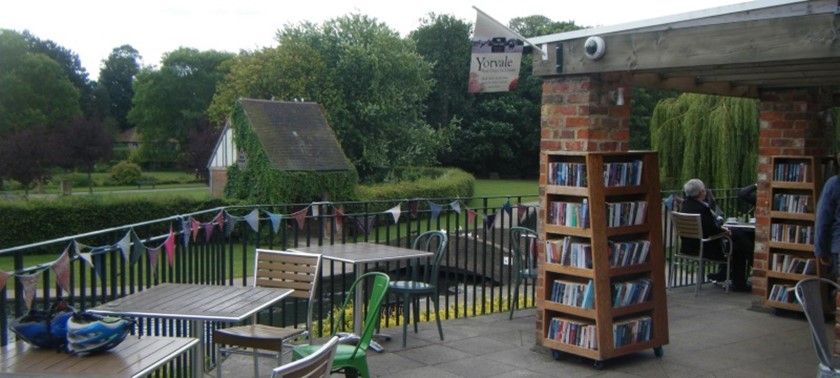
(198, 354)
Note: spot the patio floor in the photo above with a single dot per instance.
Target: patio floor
(712, 335)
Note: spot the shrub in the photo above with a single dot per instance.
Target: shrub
(126, 173)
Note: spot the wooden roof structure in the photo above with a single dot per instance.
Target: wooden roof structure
(737, 50)
(295, 135)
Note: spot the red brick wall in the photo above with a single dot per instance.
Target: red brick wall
(789, 124)
(578, 114)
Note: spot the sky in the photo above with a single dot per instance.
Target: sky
(93, 28)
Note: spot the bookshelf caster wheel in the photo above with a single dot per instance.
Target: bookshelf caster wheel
(556, 355)
(658, 352)
(599, 365)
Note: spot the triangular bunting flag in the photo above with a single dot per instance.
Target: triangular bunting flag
(208, 231)
(506, 207)
(253, 219)
(169, 247)
(87, 258)
(154, 253)
(61, 268)
(316, 210)
(489, 220)
(275, 220)
(79, 246)
(339, 216)
(395, 212)
(470, 216)
(30, 285)
(229, 223)
(4, 276)
(300, 216)
(186, 230)
(456, 206)
(522, 210)
(124, 244)
(195, 225)
(220, 219)
(138, 249)
(435, 210)
(366, 224)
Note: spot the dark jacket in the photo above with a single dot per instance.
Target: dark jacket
(747, 194)
(712, 249)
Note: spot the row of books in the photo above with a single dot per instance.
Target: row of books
(631, 331)
(567, 174)
(569, 251)
(623, 174)
(629, 252)
(792, 233)
(631, 292)
(567, 331)
(791, 264)
(573, 294)
(782, 293)
(626, 213)
(792, 172)
(569, 214)
(792, 203)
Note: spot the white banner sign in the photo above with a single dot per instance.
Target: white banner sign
(496, 56)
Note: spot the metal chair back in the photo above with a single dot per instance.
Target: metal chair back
(809, 293)
(316, 365)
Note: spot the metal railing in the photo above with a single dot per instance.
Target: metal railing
(216, 246)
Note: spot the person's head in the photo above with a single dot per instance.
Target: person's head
(694, 188)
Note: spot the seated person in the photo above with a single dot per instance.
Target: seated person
(742, 248)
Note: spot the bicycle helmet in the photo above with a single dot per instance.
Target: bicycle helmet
(44, 329)
(91, 333)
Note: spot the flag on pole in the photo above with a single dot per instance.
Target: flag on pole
(496, 56)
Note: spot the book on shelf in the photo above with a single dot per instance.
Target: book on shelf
(792, 233)
(632, 330)
(792, 203)
(626, 213)
(782, 293)
(567, 174)
(628, 252)
(574, 294)
(570, 251)
(579, 333)
(791, 172)
(623, 174)
(631, 292)
(786, 263)
(569, 214)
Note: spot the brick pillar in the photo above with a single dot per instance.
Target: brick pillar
(578, 114)
(790, 123)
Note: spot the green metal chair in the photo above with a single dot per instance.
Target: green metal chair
(424, 280)
(523, 242)
(353, 358)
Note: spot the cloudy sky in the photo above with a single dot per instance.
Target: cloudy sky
(92, 28)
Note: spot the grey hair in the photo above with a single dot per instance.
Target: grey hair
(693, 187)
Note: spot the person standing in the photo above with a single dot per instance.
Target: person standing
(827, 228)
(695, 203)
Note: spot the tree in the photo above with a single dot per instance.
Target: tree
(26, 156)
(712, 138)
(197, 152)
(82, 144)
(171, 103)
(36, 90)
(372, 85)
(117, 78)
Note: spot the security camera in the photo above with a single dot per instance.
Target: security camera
(594, 47)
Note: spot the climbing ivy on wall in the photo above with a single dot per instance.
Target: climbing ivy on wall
(712, 138)
(260, 182)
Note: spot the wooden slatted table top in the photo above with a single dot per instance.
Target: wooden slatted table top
(358, 253)
(194, 302)
(134, 357)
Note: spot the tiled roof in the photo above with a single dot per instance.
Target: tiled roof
(295, 135)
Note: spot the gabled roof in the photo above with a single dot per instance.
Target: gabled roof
(295, 135)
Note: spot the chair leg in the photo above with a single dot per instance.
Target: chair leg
(515, 301)
(437, 315)
(256, 365)
(700, 277)
(406, 317)
(416, 315)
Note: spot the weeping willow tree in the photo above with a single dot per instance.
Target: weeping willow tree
(707, 137)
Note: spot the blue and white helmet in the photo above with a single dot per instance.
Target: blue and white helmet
(91, 333)
(44, 329)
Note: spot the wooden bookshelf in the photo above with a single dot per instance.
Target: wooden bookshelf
(618, 223)
(794, 189)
